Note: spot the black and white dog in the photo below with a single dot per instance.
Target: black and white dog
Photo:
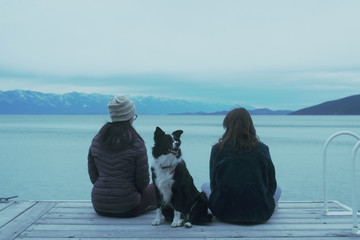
(176, 195)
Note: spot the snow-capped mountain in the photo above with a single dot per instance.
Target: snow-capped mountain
(31, 102)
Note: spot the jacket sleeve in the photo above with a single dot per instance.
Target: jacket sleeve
(92, 170)
(271, 173)
(142, 176)
(212, 168)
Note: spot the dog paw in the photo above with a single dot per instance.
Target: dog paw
(177, 223)
(156, 222)
(188, 225)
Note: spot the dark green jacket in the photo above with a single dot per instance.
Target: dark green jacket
(242, 185)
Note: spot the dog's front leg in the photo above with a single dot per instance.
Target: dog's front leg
(157, 219)
(177, 221)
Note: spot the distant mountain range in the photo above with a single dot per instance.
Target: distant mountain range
(344, 106)
(259, 111)
(31, 102)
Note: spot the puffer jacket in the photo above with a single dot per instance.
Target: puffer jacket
(242, 185)
(119, 175)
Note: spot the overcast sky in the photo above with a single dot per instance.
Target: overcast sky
(280, 54)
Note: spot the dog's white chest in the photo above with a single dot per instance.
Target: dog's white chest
(164, 168)
(164, 181)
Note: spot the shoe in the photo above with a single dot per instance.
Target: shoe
(276, 207)
(150, 208)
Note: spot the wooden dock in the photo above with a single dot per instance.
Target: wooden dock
(59, 220)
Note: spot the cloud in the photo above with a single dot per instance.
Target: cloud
(132, 37)
(279, 53)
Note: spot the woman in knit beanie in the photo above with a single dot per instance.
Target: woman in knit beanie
(118, 165)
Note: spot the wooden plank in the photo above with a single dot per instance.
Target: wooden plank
(82, 204)
(302, 204)
(168, 232)
(282, 204)
(4, 205)
(282, 213)
(147, 222)
(137, 221)
(211, 227)
(72, 210)
(91, 210)
(24, 220)
(311, 205)
(13, 210)
(290, 215)
(210, 238)
(299, 208)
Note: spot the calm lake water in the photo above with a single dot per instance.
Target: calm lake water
(44, 157)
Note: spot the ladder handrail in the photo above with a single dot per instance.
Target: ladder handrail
(354, 195)
(325, 162)
(355, 228)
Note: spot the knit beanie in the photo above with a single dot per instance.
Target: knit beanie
(121, 108)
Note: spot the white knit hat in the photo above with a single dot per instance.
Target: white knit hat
(121, 108)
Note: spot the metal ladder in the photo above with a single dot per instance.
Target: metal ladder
(355, 228)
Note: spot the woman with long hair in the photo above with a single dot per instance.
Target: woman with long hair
(118, 165)
(243, 187)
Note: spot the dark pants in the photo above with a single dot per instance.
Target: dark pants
(147, 199)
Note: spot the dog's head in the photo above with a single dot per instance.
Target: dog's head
(166, 143)
(199, 210)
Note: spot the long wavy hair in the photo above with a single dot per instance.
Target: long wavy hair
(240, 133)
(118, 133)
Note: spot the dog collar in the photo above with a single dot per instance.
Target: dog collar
(169, 166)
(165, 167)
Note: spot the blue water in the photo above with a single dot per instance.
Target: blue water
(44, 157)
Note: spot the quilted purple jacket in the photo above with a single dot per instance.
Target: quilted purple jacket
(119, 174)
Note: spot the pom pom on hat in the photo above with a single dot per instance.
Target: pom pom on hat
(121, 108)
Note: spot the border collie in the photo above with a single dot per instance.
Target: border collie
(176, 195)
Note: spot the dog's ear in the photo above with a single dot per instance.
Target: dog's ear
(158, 132)
(178, 133)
